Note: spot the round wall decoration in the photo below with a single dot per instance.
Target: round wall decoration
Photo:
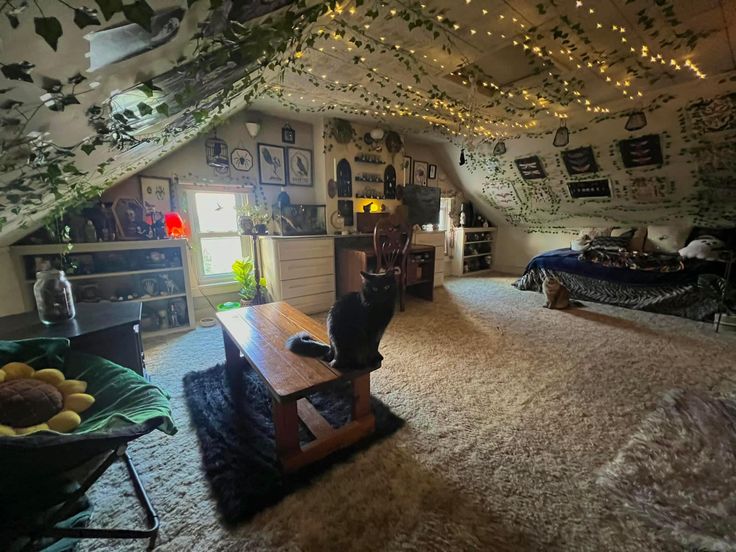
(241, 159)
(393, 142)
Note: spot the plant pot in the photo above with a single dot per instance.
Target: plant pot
(246, 302)
(246, 224)
(261, 228)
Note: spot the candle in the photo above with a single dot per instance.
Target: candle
(334, 168)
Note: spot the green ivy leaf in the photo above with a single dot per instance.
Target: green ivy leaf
(13, 20)
(110, 7)
(88, 148)
(139, 12)
(49, 29)
(144, 109)
(10, 104)
(163, 109)
(84, 17)
(18, 71)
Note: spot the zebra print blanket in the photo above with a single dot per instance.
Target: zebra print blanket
(679, 299)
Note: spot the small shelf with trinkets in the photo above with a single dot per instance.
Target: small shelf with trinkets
(154, 272)
(369, 159)
(473, 251)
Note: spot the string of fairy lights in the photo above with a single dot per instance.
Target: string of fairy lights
(456, 117)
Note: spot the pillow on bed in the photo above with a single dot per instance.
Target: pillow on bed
(638, 237)
(666, 238)
(594, 232)
(612, 243)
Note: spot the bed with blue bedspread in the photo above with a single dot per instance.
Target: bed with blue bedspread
(665, 289)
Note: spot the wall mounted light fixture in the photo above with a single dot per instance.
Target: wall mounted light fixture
(637, 120)
(562, 135)
(253, 128)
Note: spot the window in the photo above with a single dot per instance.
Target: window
(445, 209)
(216, 242)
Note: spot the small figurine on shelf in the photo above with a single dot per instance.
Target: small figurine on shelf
(158, 227)
(163, 320)
(168, 284)
(90, 233)
(173, 316)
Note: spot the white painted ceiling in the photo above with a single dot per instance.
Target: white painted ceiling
(490, 34)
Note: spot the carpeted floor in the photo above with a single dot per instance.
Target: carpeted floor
(511, 409)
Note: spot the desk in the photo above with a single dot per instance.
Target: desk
(109, 330)
(419, 272)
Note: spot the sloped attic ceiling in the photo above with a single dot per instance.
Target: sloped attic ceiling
(468, 71)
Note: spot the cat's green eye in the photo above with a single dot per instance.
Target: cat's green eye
(386, 287)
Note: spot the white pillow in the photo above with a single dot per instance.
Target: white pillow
(580, 244)
(637, 240)
(666, 238)
(594, 232)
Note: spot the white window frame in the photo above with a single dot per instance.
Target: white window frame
(242, 197)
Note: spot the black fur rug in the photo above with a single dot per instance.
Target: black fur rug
(237, 439)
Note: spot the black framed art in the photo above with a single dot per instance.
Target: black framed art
(641, 152)
(530, 168)
(299, 165)
(272, 164)
(580, 161)
(288, 134)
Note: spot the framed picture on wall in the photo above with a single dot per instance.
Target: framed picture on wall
(299, 171)
(432, 172)
(155, 194)
(419, 174)
(406, 169)
(271, 164)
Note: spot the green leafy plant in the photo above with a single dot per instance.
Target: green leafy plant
(257, 213)
(244, 273)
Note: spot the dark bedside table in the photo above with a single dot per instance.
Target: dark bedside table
(109, 330)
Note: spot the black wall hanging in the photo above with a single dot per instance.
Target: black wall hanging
(530, 167)
(580, 161)
(389, 182)
(590, 188)
(288, 134)
(641, 152)
(345, 208)
(217, 153)
(344, 179)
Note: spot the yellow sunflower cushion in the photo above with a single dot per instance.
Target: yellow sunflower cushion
(34, 400)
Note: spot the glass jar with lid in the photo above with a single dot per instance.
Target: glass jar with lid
(54, 298)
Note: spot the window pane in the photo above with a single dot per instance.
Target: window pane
(218, 254)
(216, 212)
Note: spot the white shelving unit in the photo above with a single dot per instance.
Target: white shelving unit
(473, 251)
(436, 239)
(26, 258)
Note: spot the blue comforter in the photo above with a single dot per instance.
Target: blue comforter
(566, 260)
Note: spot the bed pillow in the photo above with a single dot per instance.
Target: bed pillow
(638, 237)
(594, 232)
(612, 243)
(666, 238)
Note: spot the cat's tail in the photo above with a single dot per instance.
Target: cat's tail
(304, 344)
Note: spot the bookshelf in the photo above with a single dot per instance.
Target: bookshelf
(473, 251)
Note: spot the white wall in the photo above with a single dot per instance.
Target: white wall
(11, 295)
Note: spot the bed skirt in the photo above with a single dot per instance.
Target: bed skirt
(684, 300)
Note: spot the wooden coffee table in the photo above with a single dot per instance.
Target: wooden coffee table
(259, 333)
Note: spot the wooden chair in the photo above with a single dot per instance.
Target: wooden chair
(391, 240)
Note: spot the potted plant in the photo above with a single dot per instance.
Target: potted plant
(244, 273)
(253, 216)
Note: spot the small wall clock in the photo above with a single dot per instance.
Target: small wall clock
(241, 159)
(288, 134)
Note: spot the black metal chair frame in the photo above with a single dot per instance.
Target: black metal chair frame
(49, 529)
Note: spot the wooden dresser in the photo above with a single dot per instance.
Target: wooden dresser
(300, 270)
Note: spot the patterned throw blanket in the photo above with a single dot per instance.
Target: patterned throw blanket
(634, 260)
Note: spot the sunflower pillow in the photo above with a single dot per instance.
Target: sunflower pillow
(34, 400)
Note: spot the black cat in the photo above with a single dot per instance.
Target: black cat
(355, 324)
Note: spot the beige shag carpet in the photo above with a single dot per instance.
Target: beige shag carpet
(511, 411)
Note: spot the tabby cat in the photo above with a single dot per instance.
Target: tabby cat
(557, 295)
(355, 324)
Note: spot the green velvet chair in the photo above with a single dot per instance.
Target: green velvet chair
(44, 476)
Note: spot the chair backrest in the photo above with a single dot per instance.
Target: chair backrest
(391, 241)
